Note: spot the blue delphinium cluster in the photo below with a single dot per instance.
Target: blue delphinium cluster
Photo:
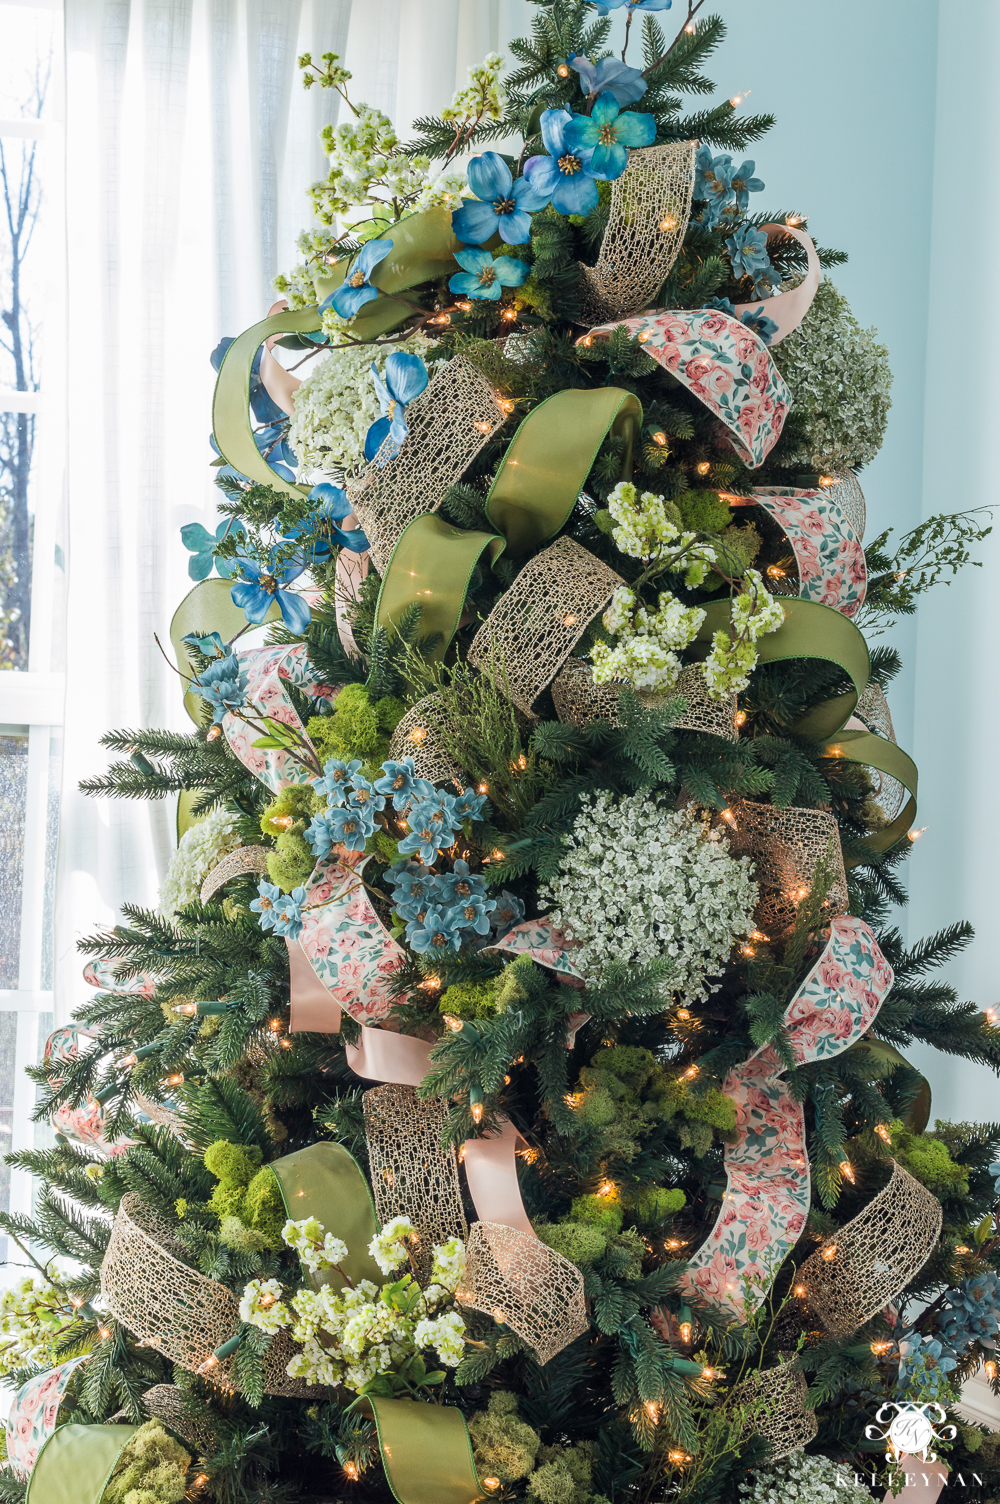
(722, 187)
(972, 1313)
(351, 806)
(754, 318)
(440, 909)
(220, 682)
(280, 912)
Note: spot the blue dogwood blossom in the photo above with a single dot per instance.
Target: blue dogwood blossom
(565, 177)
(264, 905)
(363, 795)
(744, 183)
(604, 6)
(757, 320)
(287, 913)
(609, 132)
(320, 528)
(472, 913)
(433, 932)
(972, 1313)
(469, 805)
(262, 404)
(504, 206)
(509, 911)
(201, 543)
(336, 779)
(405, 378)
(210, 645)
(608, 75)
(261, 586)
(356, 289)
(397, 779)
(748, 252)
(482, 276)
(347, 826)
(414, 888)
(459, 884)
(274, 447)
(222, 684)
(432, 826)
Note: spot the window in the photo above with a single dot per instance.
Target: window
(32, 563)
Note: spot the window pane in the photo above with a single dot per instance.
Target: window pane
(27, 34)
(51, 844)
(13, 800)
(17, 444)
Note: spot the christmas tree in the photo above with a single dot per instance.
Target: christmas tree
(506, 1099)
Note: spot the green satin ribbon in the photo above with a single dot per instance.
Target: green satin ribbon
(916, 1113)
(535, 490)
(876, 752)
(207, 608)
(423, 250)
(325, 1182)
(75, 1464)
(427, 1452)
(808, 631)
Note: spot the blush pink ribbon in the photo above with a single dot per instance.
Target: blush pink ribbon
(766, 1200)
(788, 309)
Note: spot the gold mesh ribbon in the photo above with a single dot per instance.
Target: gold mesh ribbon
(537, 623)
(174, 1309)
(650, 208)
(411, 1175)
(234, 864)
(162, 1115)
(864, 1265)
(418, 736)
(165, 1402)
(578, 700)
(787, 845)
(850, 498)
(447, 425)
(524, 1284)
(772, 1404)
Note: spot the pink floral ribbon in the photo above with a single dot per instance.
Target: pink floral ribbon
(268, 670)
(540, 940)
(767, 1170)
(724, 364)
(827, 550)
(34, 1413)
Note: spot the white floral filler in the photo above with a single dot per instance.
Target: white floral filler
(367, 1332)
(198, 851)
(639, 881)
(799, 1479)
(336, 405)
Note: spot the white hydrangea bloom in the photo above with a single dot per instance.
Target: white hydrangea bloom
(443, 1333)
(639, 881)
(387, 1247)
(198, 850)
(649, 641)
(448, 1265)
(798, 1479)
(336, 404)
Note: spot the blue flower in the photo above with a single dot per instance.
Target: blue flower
(459, 884)
(565, 176)
(609, 133)
(397, 779)
(435, 931)
(364, 796)
(200, 542)
(320, 527)
(603, 6)
(744, 183)
(414, 888)
(469, 806)
(272, 443)
(757, 320)
(255, 593)
(508, 912)
(472, 913)
(287, 912)
(484, 277)
(210, 646)
(405, 378)
(723, 304)
(349, 827)
(432, 825)
(262, 404)
(995, 1172)
(336, 778)
(506, 206)
(608, 75)
(222, 685)
(356, 289)
(748, 252)
(266, 903)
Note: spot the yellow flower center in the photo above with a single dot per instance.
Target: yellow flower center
(470, 912)
(269, 583)
(504, 205)
(569, 164)
(350, 826)
(463, 890)
(487, 276)
(440, 939)
(608, 135)
(266, 903)
(358, 280)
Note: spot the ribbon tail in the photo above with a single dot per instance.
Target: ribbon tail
(313, 1009)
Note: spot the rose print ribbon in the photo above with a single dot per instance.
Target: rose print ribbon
(767, 1170)
(827, 550)
(34, 1413)
(721, 362)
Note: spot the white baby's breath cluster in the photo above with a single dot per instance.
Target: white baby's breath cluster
(351, 1336)
(198, 850)
(638, 882)
(482, 98)
(753, 613)
(798, 1479)
(337, 404)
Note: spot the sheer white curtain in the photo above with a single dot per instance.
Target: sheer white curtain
(190, 146)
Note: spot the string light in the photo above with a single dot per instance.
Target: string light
(728, 816)
(569, 620)
(499, 1315)
(105, 1333)
(351, 1470)
(738, 99)
(775, 571)
(673, 1243)
(201, 1480)
(794, 220)
(711, 1373)
(587, 340)
(914, 835)
(653, 1410)
(991, 1370)
(562, 72)
(740, 718)
(494, 1483)
(275, 1024)
(881, 1348)
(689, 28)
(509, 314)
(828, 480)
(483, 428)
(683, 1013)
(830, 1251)
(846, 1170)
(208, 1365)
(901, 575)
(482, 788)
(659, 438)
(963, 1248)
(442, 318)
(883, 1132)
(759, 936)
(703, 467)
(746, 949)
(465, 307)
(992, 1017)
(214, 732)
(282, 822)
(668, 223)
(690, 1073)
(176, 1079)
(643, 336)
(607, 1188)
(431, 984)
(454, 1024)
(800, 1291)
(679, 1457)
(419, 733)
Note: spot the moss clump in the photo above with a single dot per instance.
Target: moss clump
(503, 1445)
(928, 1159)
(357, 726)
(247, 1200)
(564, 1475)
(292, 861)
(703, 511)
(469, 999)
(151, 1469)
